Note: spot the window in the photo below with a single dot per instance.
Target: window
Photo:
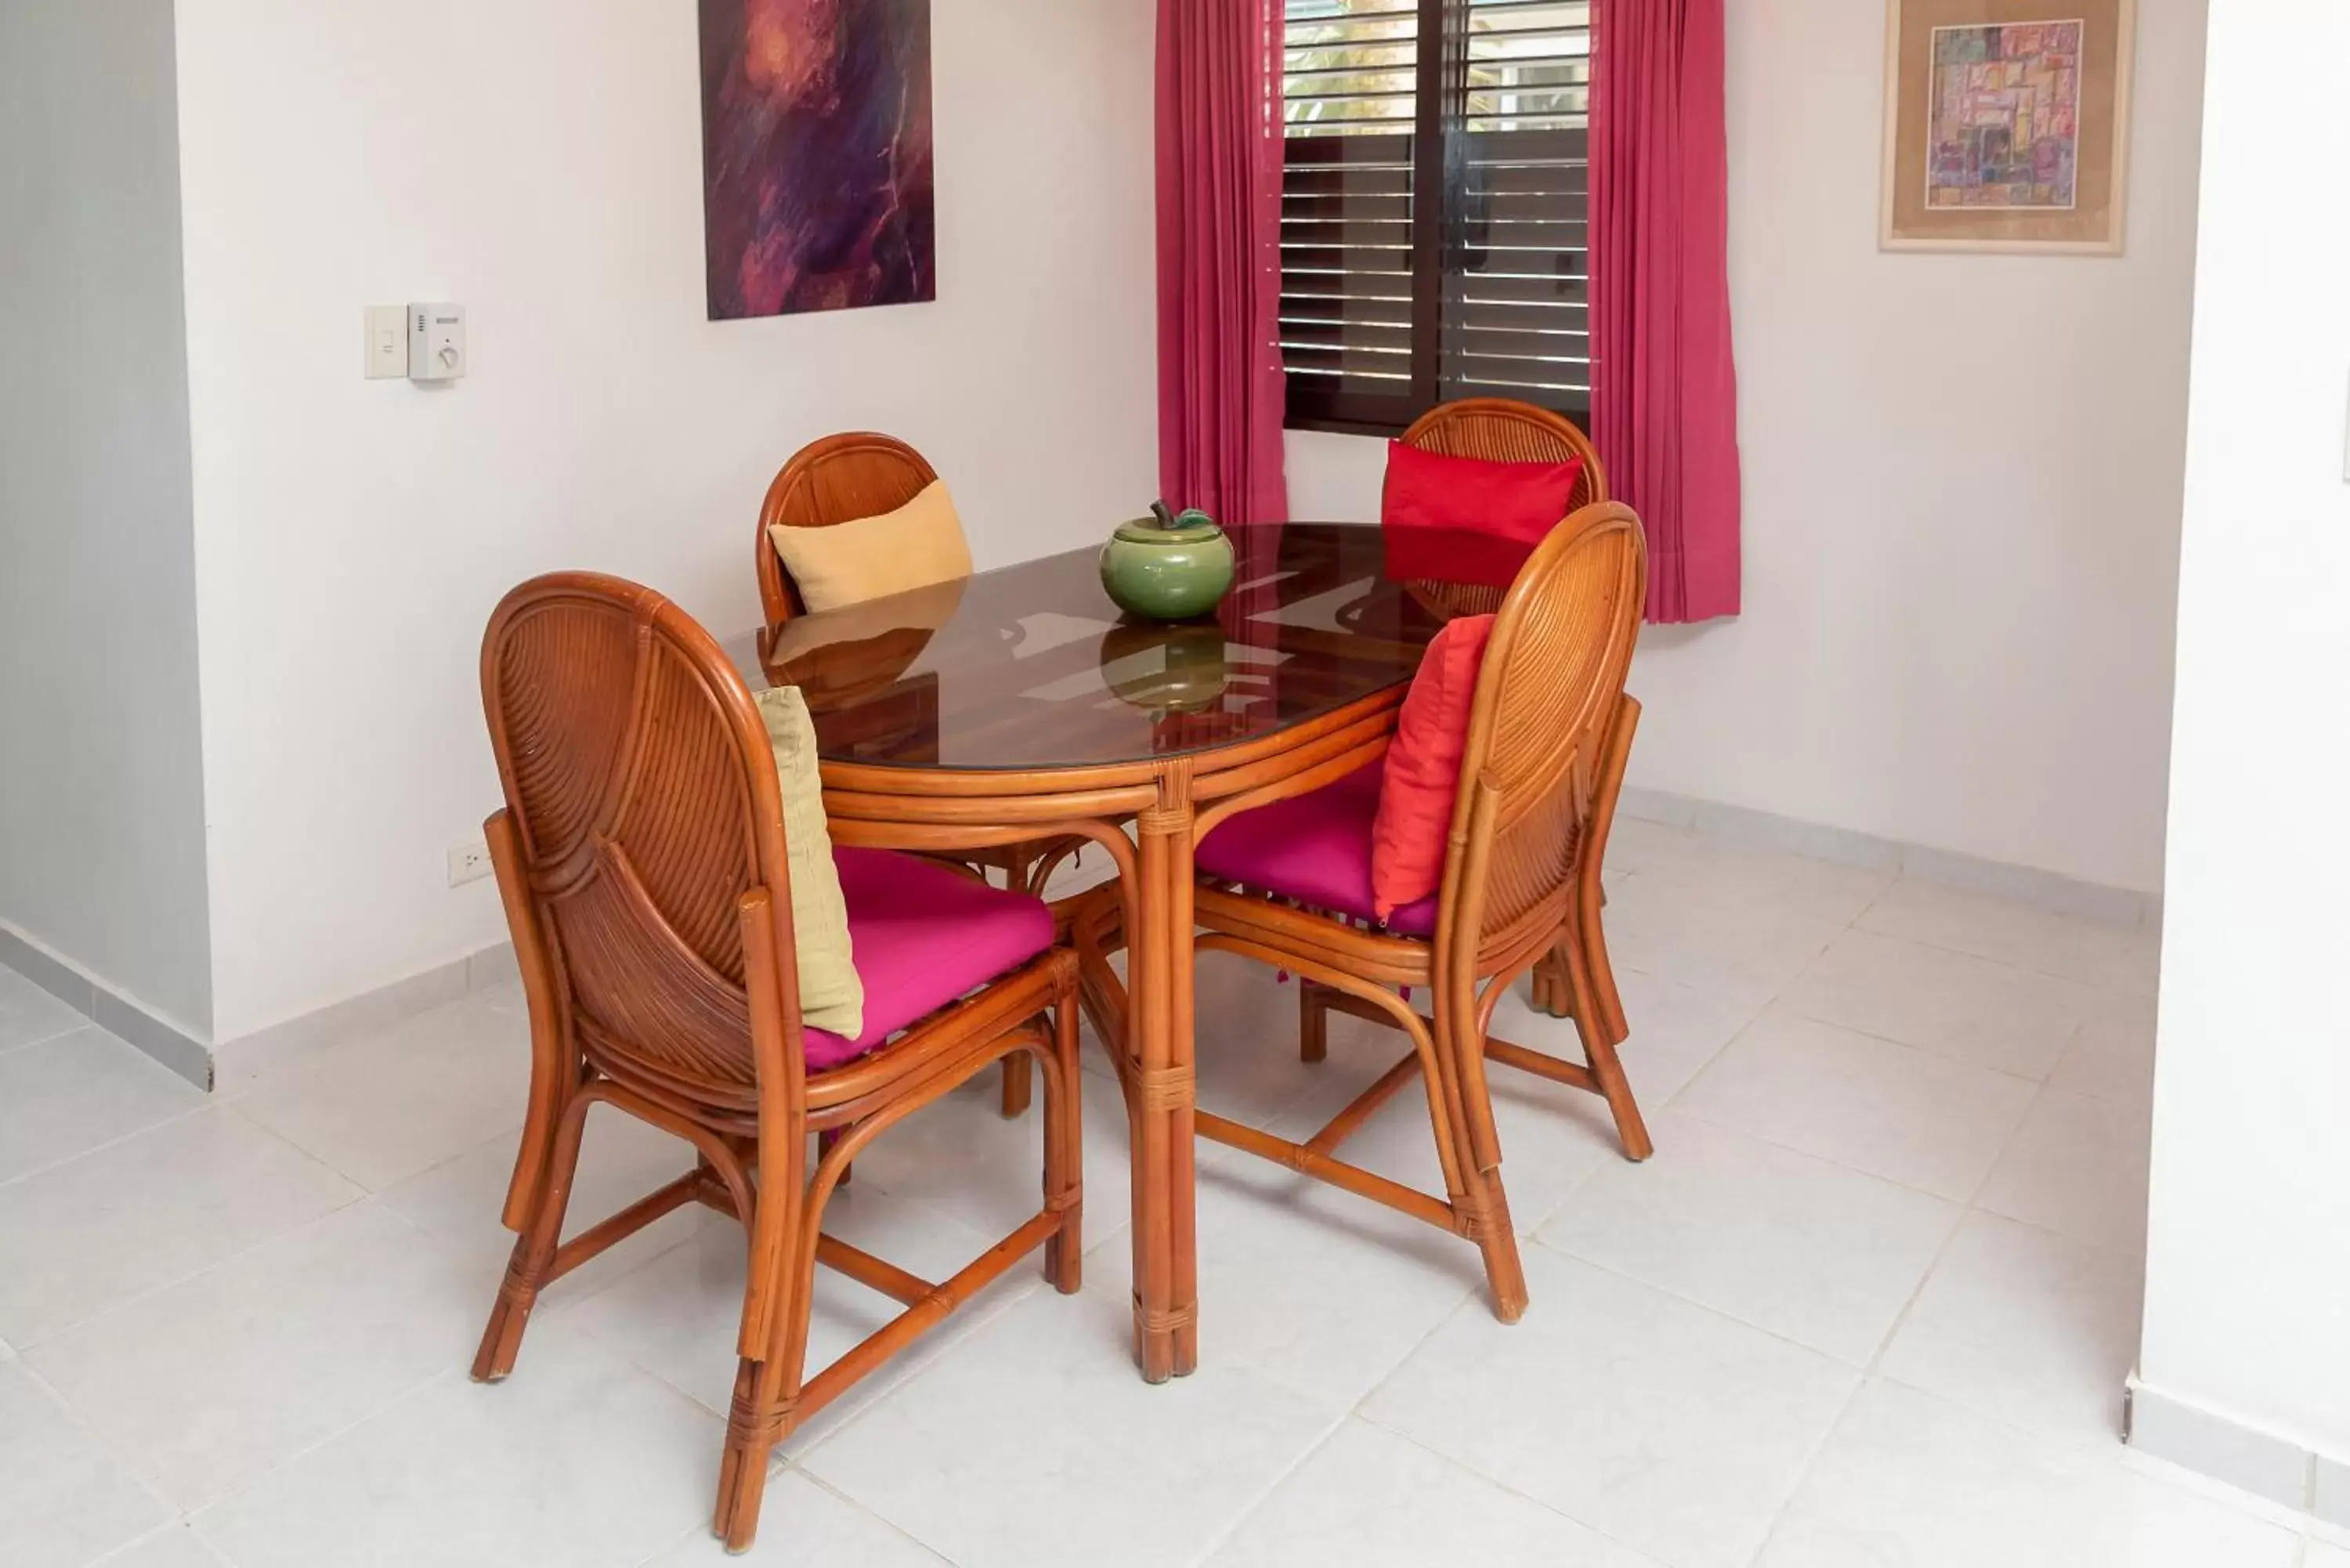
(1391, 304)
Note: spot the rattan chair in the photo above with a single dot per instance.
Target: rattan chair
(1500, 429)
(1538, 744)
(643, 863)
(837, 480)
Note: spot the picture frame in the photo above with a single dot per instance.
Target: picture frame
(2007, 126)
(819, 177)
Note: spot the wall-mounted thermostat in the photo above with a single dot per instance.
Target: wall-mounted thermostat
(436, 342)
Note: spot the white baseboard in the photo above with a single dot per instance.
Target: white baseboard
(236, 1063)
(233, 1064)
(2262, 1462)
(182, 1050)
(2050, 890)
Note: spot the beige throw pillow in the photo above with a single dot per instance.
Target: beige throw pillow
(919, 544)
(832, 997)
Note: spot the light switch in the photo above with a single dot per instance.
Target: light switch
(387, 342)
(436, 342)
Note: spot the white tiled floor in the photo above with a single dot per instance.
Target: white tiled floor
(1871, 1303)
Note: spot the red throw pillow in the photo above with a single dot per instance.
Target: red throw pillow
(1423, 772)
(1453, 497)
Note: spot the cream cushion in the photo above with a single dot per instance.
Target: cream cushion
(919, 544)
(832, 997)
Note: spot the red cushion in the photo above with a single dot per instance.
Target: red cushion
(1313, 847)
(922, 935)
(1423, 774)
(1455, 517)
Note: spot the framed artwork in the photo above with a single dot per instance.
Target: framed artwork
(2007, 124)
(816, 155)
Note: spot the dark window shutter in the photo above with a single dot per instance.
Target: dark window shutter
(1517, 295)
(1389, 306)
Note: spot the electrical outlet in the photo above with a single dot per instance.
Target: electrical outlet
(469, 863)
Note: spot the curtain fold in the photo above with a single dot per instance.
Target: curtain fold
(1221, 390)
(1664, 400)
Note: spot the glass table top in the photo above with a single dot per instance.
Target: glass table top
(1032, 666)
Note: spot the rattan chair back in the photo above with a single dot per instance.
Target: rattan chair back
(1552, 677)
(836, 480)
(643, 792)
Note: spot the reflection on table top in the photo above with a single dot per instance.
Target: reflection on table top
(1030, 666)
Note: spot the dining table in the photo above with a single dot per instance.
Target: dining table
(1020, 705)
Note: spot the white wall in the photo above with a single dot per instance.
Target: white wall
(101, 805)
(1962, 487)
(352, 536)
(2248, 1263)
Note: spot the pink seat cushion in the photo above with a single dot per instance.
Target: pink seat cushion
(923, 936)
(1315, 848)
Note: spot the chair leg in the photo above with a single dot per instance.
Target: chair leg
(1599, 1050)
(534, 1251)
(1065, 1152)
(1607, 999)
(1497, 1239)
(1552, 994)
(1313, 1022)
(754, 1428)
(767, 1389)
(1017, 1082)
(824, 1142)
(1475, 1195)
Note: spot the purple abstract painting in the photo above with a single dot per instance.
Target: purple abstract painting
(816, 152)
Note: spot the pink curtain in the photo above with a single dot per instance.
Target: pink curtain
(1664, 400)
(1221, 387)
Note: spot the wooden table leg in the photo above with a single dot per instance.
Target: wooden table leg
(1161, 1098)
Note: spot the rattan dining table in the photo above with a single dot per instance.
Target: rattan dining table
(1019, 705)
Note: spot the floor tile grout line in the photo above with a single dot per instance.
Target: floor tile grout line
(1967, 1210)
(1763, 1137)
(178, 1523)
(1724, 1313)
(362, 1196)
(204, 1103)
(76, 1027)
(101, 1440)
(1963, 1209)
(1804, 1471)
(56, 1164)
(2040, 1089)
(1673, 1104)
(315, 1221)
(675, 1542)
(1796, 1013)
(882, 1519)
(287, 1461)
(2102, 984)
(2107, 983)
(1266, 1494)
(77, 1324)
(1495, 1482)
(186, 1515)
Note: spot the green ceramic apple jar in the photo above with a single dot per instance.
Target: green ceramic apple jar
(1168, 567)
